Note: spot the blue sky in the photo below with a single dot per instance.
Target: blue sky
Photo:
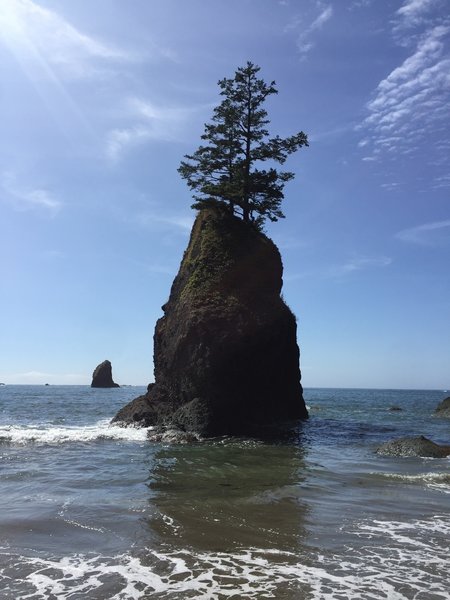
(99, 101)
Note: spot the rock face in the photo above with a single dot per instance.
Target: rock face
(102, 376)
(443, 409)
(225, 351)
(413, 446)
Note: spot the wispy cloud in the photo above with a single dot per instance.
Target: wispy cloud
(37, 34)
(339, 271)
(356, 4)
(442, 181)
(428, 234)
(156, 268)
(359, 264)
(306, 32)
(412, 12)
(119, 140)
(149, 121)
(291, 242)
(25, 198)
(153, 220)
(390, 185)
(412, 98)
(332, 133)
(409, 108)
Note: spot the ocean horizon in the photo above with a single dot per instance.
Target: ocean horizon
(91, 510)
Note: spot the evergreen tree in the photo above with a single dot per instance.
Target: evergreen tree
(225, 169)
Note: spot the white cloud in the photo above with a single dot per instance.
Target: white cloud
(291, 242)
(322, 18)
(24, 198)
(339, 271)
(144, 213)
(427, 56)
(442, 182)
(412, 11)
(409, 109)
(324, 134)
(305, 41)
(37, 34)
(153, 220)
(360, 4)
(118, 140)
(150, 122)
(360, 264)
(390, 186)
(428, 234)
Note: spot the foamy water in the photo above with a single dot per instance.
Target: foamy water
(437, 480)
(367, 571)
(49, 434)
(89, 510)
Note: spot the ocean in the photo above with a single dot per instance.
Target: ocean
(93, 511)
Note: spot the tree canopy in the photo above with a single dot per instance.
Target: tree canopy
(227, 168)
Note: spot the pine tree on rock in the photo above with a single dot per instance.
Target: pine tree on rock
(225, 169)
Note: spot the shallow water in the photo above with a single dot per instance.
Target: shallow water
(93, 511)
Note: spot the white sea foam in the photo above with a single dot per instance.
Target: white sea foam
(434, 480)
(49, 434)
(386, 559)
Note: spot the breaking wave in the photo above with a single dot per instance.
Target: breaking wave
(49, 434)
(435, 480)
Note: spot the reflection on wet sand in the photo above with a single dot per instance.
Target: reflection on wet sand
(222, 496)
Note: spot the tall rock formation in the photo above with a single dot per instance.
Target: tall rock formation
(102, 376)
(225, 351)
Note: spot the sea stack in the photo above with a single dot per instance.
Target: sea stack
(443, 409)
(225, 351)
(102, 376)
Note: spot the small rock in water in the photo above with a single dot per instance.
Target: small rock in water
(413, 446)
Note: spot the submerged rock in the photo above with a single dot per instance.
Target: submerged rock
(102, 376)
(225, 351)
(413, 446)
(443, 409)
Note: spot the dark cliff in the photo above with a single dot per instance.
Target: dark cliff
(225, 351)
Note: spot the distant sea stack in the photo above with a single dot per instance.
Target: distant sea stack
(225, 351)
(102, 376)
(443, 409)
